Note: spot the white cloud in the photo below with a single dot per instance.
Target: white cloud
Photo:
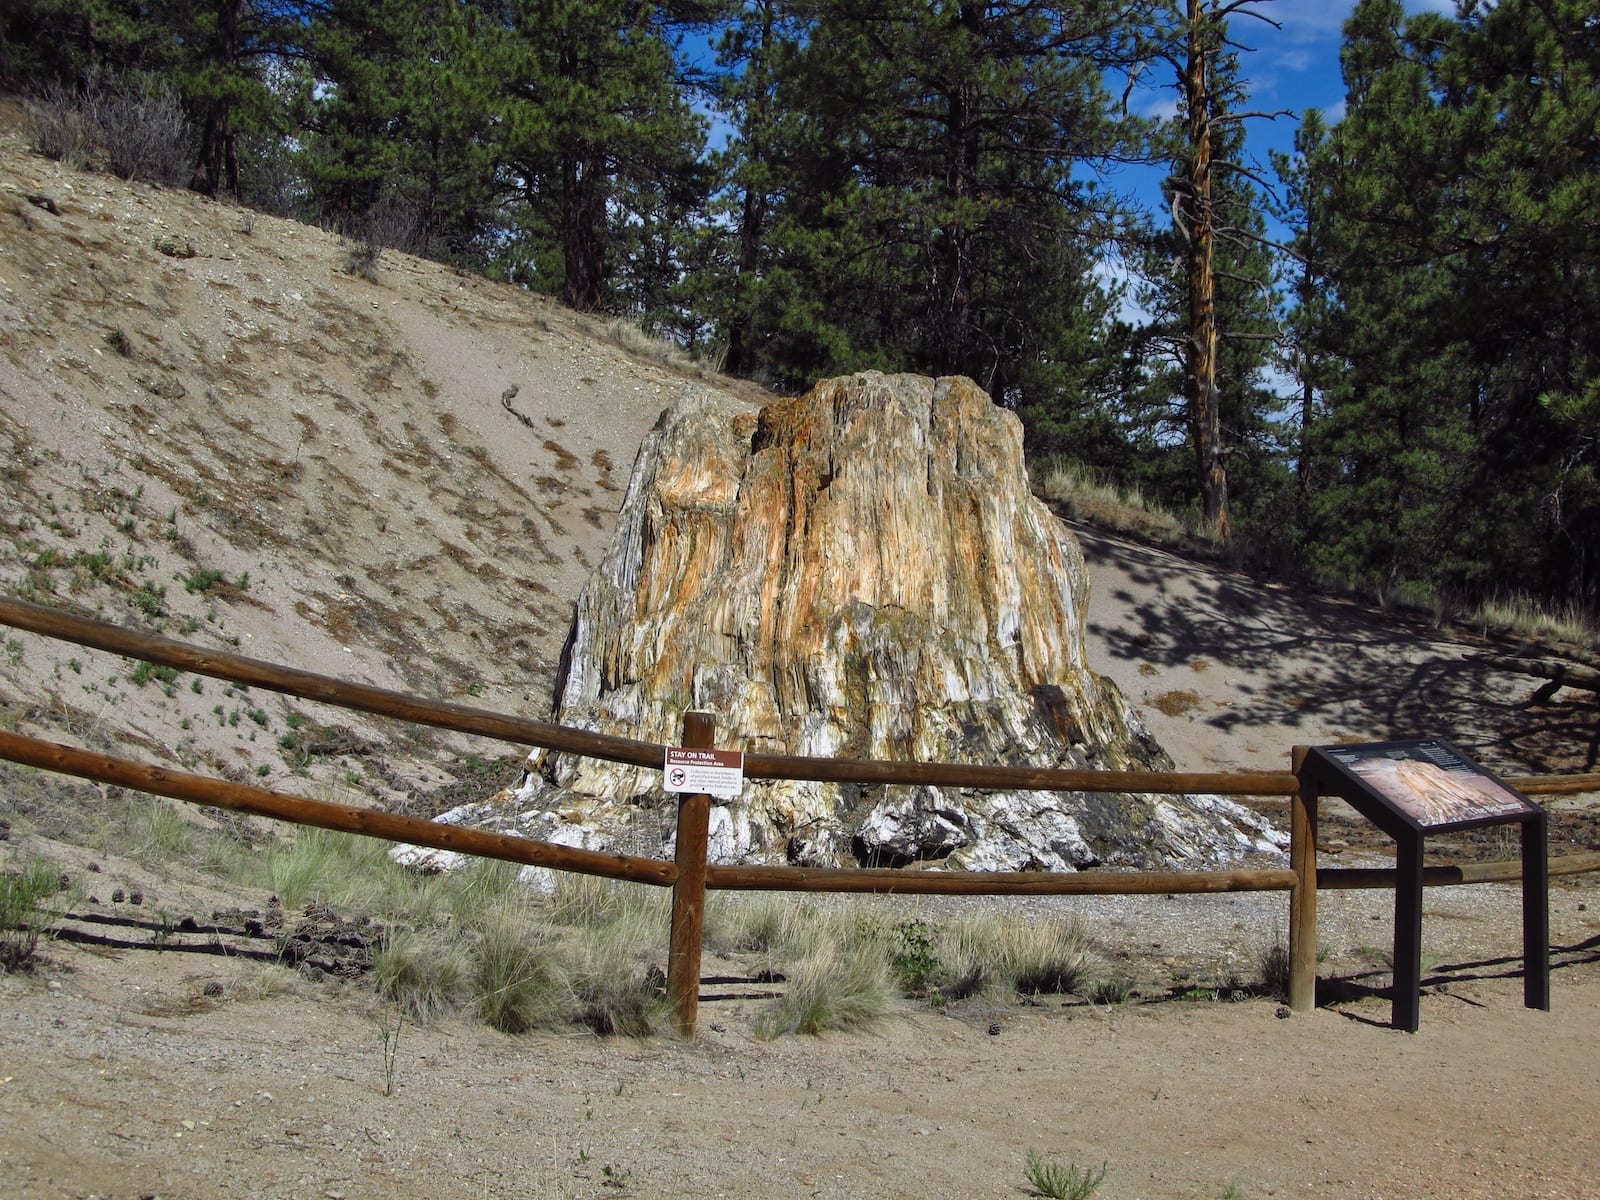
(1159, 107)
(1309, 21)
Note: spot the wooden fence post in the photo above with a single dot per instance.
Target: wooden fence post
(1303, 896)
(689, 892)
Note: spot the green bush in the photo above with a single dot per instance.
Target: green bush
(21, 917)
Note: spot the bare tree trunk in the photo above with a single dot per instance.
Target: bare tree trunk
(583, 229)
(218, 165)
(1200, 359)
(953, 316)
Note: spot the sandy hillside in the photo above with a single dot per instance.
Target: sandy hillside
(210, 427)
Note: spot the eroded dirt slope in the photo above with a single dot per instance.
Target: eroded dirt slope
(214, 426)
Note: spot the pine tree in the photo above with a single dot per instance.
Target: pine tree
(594, 118)
(1217, 328)
(357, 49)
(1458, 197)
(931, 164)
(223, 50)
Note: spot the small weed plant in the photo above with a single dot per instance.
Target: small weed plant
(389, 1032)
(203, 580)
(1274, 970)
(915, 964)
(23, 918)
(1062, 1182)
(1110, 991)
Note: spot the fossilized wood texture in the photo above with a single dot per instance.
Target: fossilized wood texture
(860, 572)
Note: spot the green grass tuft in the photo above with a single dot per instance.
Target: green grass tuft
(1069, 1182)
(521, 979)
(22, 917)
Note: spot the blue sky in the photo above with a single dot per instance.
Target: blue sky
(1293, 67)
(1297, 66)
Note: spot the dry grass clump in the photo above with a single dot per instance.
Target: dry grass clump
(617, 984)
(750, 923)
(523, 963)
(648, 346)
(1529, 620)
(1083, 496)
(837, 976)
(427, 973)
(521, 973)
(1178, 702)
(1003, 956)
(591, 954)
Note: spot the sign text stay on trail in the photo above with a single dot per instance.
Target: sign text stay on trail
(717, 773)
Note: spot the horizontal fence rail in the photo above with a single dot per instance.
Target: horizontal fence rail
(222, 793)
(995, 883)
(301, 810)
(1336, 879)
(689, 878)
(462, 718)
(362, 697)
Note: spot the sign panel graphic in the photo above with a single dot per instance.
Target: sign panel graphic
(1432, 783)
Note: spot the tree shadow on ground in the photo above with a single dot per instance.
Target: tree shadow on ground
(1297, 660)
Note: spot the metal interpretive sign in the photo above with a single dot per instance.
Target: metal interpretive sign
(1414, 788)
(1431, 784)
(717, 773)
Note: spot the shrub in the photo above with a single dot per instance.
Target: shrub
(361, 260)
(397, 223)
(59, 128)
(147, 135)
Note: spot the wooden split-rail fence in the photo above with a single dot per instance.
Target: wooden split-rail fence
(690, 875)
